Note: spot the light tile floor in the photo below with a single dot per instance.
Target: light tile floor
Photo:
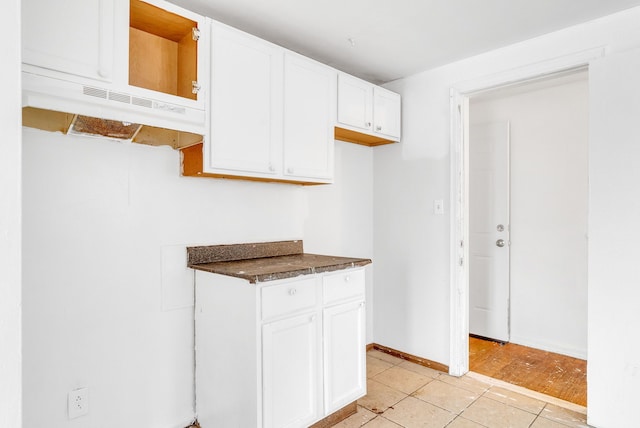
(404, 394)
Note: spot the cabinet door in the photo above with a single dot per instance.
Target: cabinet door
(344, 355)
(246, 104)
(386, 113)
(73, 37)
(291, 372)
(355, 102)
(309, 112)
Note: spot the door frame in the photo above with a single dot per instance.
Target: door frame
(460, 94)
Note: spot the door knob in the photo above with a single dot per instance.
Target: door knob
(500, 228)
(500, 243)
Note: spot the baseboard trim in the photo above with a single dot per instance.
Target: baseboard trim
(409, 357)
(338, 416)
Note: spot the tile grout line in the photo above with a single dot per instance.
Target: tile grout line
(491, 384)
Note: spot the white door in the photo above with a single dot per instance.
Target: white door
(489, 230)
(355, 102)
(386, 113)
(344, 355)
(291, 372)
(246, 103)
(309, 118)
(74, 37)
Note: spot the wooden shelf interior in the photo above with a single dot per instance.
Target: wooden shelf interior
(355, 137)
(162, 53)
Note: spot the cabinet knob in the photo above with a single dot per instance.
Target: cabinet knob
(292, 292)
(367, 124)
(289, 170)
(378, 128)
(347, 278)
(312, 318)
(271, 168)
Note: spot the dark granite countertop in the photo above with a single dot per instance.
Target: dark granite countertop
(260, 266)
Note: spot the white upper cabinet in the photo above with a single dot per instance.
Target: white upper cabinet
(75, 37)
(271, 113)
(367, 114)
(309, 109)
(143, 62)
(386, 113)
(355, 102)
(246, 104)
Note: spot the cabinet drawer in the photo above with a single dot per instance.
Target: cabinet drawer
(343, 285)
(288, 298)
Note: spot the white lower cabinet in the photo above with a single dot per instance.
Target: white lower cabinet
(344, 358)
(291, 371)
(281, 354)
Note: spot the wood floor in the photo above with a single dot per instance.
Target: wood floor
(552, 374)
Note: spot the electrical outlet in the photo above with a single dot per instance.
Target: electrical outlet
(78, 402)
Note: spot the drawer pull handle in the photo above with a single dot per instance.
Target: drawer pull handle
(292, 292)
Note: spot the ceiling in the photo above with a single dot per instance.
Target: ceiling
(383, 40)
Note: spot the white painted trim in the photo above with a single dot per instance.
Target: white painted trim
(459, 301)
(11, 414)
(530, 72)
(459, 186)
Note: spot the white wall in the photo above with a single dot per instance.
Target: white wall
(339, 217)
(614, 234)
(411, 245)
(549, 194)
(97, 216)
(10, 218)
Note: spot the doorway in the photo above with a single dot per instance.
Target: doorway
(527, 220)
(459, 251)
(528, 194)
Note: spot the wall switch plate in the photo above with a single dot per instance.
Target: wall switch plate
(78, 402)
(438, 206)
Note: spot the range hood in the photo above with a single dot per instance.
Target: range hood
(58, 105)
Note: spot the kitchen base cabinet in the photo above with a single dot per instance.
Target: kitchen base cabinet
(278, 354)
(344, 355)
(291, 373)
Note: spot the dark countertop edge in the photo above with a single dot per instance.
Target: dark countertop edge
(253, 279)
(246, 251)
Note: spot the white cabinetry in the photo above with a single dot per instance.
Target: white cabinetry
(126, 60)
(271, 111)
(74, 37)
(355, 103)
(386, 113)
(368, 109)
(309, 109)
(281, 354)
(344, 339)
(291, 375)
(246, 105)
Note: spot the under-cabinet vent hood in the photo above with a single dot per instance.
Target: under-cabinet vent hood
(73, 108)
